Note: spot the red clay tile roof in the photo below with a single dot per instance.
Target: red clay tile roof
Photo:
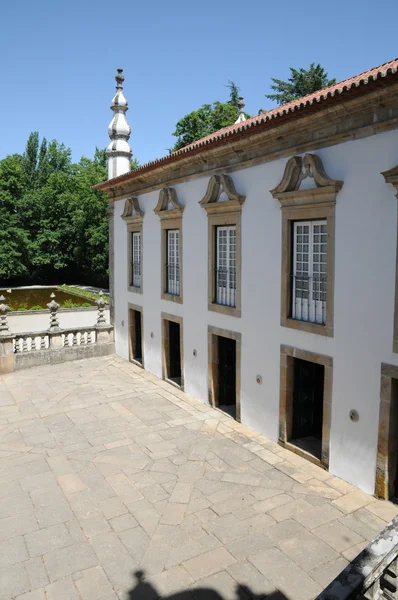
(363, 79)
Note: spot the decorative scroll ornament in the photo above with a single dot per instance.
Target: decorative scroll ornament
(168, 204)
(219, 184)
(297, 169)
(132, 212)
(391, 176)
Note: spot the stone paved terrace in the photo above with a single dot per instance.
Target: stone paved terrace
(115, 485)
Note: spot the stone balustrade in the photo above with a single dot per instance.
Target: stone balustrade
(55, 345)
(373, 574)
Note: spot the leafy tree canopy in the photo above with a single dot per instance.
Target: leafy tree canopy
(300, 83)
(207, 119)
(54, 226)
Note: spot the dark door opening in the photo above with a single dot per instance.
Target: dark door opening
(136, 335)
(308, 406)
(174, 358)
(226, 399)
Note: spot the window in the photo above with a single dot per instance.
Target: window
(136, 259)
(173, 262)
(170, 211)
(225, 273)
(224, 245)
(308, 216)
(133, 216)
(309, 271)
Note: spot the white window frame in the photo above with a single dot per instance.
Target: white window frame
(309, 286)
(225, 274)
(173, 262)
(136, 259)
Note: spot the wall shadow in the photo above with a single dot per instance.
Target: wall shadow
(144, 590)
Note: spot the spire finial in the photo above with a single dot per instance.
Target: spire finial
(119, 152)
(241, 109)
(119, 79)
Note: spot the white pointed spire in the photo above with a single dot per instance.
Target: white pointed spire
(119, 151)
(242, 116)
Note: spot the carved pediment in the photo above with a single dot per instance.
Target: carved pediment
(297, 169)
(168, 205)
(132, 212)
(217, 186)
(391, 176)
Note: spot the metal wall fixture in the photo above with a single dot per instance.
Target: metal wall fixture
(354, 416)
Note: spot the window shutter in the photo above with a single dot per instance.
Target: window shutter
(173, 262)
(309, 271)
(136, 256)
(226, 265)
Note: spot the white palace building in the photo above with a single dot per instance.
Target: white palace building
(256, 269)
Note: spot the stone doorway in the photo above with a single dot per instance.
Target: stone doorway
(136, 354)
(387, 446)
(224, 370)
(305, 403)
(172, 350)
(308, 406)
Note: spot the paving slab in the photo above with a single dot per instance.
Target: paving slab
(116, 485)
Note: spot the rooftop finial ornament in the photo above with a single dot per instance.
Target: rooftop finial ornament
(241, 108)
(119, 151)
(119, 79)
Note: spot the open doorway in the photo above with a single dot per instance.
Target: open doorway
(172, 349)
(387, 447)
(136, 354)
(308, 406)
(305, 403)
(224, 370)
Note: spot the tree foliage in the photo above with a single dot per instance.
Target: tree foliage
(300, 83)
(54, 226)
(207, 119)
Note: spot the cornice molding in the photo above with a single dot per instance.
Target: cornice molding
(391, 176)
(168, 197)
(132, 212)
(296, 170)
(219, 184)
(368, 115)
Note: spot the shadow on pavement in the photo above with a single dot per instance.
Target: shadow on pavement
(144, 590)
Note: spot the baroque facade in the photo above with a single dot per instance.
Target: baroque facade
(256, 269)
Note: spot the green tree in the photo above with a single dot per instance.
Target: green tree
(233, 94)
(207, 119)
(13, 238)
(300, 83)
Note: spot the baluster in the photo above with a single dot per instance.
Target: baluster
(43, 345)
(74, 339)
(25, 344)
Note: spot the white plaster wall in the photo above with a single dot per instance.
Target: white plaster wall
(365, 242)
(20, 322)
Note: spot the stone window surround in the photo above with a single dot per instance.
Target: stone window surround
(219, 213)
(213, 333)
(133, 216)
(391, 176)
(141, 310)
(165, 318)
(302, 205)
(170, 218)
(387, 433)
(288, 354)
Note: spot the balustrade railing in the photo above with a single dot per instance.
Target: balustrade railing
(31, 348)
(373, 574)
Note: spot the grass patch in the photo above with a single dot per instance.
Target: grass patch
(86, 293)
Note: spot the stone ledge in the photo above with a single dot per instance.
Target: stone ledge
(52, 356)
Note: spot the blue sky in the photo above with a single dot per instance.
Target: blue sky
(59, 60)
